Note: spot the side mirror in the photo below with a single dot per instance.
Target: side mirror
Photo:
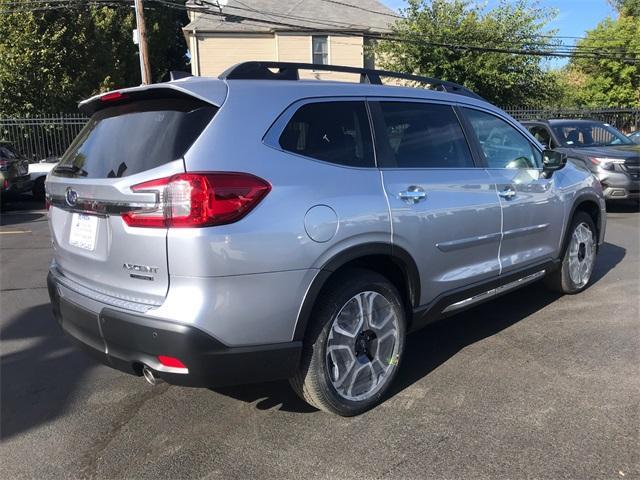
(552, 161)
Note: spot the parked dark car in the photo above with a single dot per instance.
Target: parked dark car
(635, 137)
(38, 172)
(14, 171)
(612, 157)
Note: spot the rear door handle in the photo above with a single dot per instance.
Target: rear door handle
(508, 193)
(413, 195)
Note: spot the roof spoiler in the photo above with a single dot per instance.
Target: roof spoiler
(158, 91)
(178, 74)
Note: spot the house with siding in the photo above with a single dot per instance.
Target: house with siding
(221, 34)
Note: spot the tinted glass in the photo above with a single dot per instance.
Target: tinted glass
(503, 146)
(588, 134)
(336, 132)
(131, 138)
(422, 135)
(541, 134)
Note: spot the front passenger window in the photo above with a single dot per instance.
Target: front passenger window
(503, 146)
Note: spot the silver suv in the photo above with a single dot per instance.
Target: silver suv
(258, 227)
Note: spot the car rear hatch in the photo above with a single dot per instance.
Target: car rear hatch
(12, 164)
(132, 137)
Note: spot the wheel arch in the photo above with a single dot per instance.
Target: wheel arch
(589, 204)
(393, 262)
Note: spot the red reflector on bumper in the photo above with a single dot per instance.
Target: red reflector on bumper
(171, 362)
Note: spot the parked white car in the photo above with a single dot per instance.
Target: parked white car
(38, 172)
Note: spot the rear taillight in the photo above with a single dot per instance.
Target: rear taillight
(198, 200)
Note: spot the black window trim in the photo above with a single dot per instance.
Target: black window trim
(272, 137)
(379, 131)
(474, 138)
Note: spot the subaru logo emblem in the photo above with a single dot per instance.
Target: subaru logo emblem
(71, 197)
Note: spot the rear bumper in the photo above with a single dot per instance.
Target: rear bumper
(127, 341)
(17, 185)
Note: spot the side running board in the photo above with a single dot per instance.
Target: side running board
(494, 292)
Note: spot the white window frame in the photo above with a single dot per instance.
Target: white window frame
(328, 47)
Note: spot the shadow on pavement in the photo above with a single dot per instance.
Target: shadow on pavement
(18, 218)
(17, 209)
(38, 379)
(270, 395)
(430, 347)
(20, 202)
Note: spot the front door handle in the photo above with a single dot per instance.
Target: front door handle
(413, 195)
(508, 193)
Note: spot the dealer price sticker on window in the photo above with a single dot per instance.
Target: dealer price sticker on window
(83, 231)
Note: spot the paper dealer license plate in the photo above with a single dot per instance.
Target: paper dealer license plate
(84, 230)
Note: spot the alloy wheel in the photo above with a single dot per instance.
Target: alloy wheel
(582, 251)
(362, 346)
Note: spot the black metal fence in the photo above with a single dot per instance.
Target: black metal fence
(49, 136)
(41, 136)
(626, 120)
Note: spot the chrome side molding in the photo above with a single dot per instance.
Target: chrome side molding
(494, 292)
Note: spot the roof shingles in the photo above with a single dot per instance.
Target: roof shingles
(297, 15)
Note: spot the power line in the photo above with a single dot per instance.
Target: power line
(337, 24)
(558, 51)
(514, 47)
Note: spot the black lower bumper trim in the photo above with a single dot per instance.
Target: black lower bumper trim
(128, 341)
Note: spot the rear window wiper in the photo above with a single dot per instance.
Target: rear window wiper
(72, 169)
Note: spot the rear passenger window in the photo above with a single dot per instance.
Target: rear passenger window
(336, 132)
(422, 135)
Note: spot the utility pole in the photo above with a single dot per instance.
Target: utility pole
(145, 67)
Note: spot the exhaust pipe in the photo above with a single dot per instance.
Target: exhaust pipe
(148, 375)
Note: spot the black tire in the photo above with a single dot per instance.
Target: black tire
(312, 382)
(560, 280)
(38, 189)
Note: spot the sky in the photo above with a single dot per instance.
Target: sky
(573, 19)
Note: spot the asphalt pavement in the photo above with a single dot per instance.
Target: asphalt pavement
(531, 385)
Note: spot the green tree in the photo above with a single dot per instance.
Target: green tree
(51, 58)
(608, 81)
(432, 37)
(627, 7)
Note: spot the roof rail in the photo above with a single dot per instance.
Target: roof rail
(290, 71)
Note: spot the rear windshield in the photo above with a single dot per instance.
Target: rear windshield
(131, 138)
